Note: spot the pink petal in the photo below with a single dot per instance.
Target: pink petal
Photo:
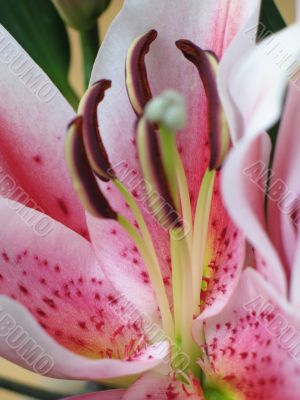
(253, 344)
(239, 47)
(121, 260)
(244, 198)
(211, 25)
(283, 217)
(295, 278)
(258, 81)
(56, 361)
(157, 387)
(227, 249)
(58, 279)
(105, 395)
(33, 122)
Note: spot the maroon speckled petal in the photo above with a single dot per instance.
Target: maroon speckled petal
(55, 275)
(253, 343)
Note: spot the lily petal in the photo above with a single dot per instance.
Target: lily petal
(255, 336)
(121, 261)
(258, 82)
(57, 278)
(284, 200)
(56, 361)
(240, 45)
(245, 203)
(33, 122)
(295, 278)
(225, 256)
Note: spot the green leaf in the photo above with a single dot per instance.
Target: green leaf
(36, 25)
(270, 19)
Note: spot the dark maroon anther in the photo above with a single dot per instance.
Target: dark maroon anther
(158, 191)
(83, 178)
(206, 62)
(93, 143)
(138, 88)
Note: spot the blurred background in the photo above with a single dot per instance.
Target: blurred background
(8, 370)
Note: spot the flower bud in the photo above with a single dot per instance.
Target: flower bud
(80, 14)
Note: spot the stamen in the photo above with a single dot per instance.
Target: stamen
(146, 243)
(83, 179)
(158, 185)
(182, 282)
(206, 63)
(137, 83)
(168, 112)
(200, 233)
(94, 146)
(154, 272)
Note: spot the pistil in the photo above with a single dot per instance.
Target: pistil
(158, 111)
(168, 111)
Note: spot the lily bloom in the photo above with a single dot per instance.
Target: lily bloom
(254, 343)
(69, 288)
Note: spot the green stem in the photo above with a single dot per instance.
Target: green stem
(29, 391)
(90, 43)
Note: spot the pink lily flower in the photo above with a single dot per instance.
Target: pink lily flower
(67, 277)
(253, 344)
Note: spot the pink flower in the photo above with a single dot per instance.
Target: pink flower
(254, 343)
(70, 280)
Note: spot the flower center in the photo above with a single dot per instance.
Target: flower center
(159, 120)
